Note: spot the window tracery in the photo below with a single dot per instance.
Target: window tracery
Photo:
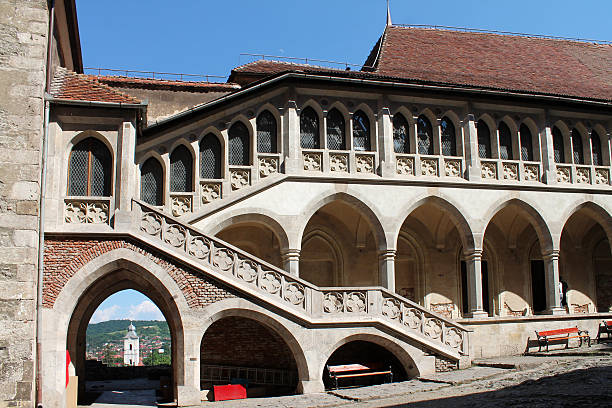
(89, 170)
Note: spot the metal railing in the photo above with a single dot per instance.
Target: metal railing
(305, 60)
(162, 76)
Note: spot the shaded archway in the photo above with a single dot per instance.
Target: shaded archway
(255, 238)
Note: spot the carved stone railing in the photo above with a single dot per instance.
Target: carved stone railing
(317, 305)
(87, 210)
(509, 170)
(428, 166)
(583, 174)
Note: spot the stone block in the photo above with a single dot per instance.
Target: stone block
(27, 208)
(24, 391)
(24, 190)
(8, 271)
(25, 238)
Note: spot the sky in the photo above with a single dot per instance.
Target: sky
(208, 36)
(126, 304)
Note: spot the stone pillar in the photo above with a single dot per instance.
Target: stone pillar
(291, 138)
(291, 261)
(549, 170)
(188, 390)
(385, 143)
(551, 270)
(470, 140)
(473, 261)
(126, 174)
(386, 268)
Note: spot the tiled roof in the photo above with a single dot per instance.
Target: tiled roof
(68, 85)
(152, 83)
(252, 71)
(518, 63)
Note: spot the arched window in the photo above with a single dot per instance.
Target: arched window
(577, 151)
(526, 143)
(152, 182)
(239, 146)
(361, 131)
(505, 142)
(596, 149)
(336, 139)
(401, 138)
(90, 169)
(210, 157)
(266, 133)
(309, 129)
(484, 140)
(448, 137)
(424, 136)
(181, 170)
(558, 145)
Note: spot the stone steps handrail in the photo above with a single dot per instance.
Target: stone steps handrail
(320, 305)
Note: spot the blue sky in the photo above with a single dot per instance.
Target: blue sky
(127, 304)
(207, 37)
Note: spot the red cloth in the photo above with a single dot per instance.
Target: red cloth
(229, 392)
(67, 367)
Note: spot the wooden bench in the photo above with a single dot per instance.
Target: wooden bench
(545, 337)
(604, 327)
(355, 370)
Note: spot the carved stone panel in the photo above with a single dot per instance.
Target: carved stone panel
(564, 174)
(86, 212)
(240, 178)
(602, 176)
(364, 163)
(531, 172)
(355, 302)
(181, 204)
(267, 166)
(391, 308)
(452, 168)
(583, 175)
(333, 302)
(429, 167)
(405, 166)
(312, 161)
(210, 192)
(338, 162)
(488, 170)
(510, 171)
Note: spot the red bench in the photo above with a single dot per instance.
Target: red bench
(545, 337)
(604, 327)
(355, 370)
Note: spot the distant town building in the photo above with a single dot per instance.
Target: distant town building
(131, 347)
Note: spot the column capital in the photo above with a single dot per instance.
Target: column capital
(473, 255)
(290, 253)
(291, 104)
(552, 255)
(386, 254)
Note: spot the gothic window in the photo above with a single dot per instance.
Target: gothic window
(596, 149)
(151, 182)
(505, 142)
(90, 169)
(239, 146)
(526, 143)
(361, 131)
(210, 157)
(401, 141)
(336, 138)
(577, 151)
(266, 133)
(448, 137)
(424, 136)
(309, 129)
(484, 140)
(181, 169)
(558, 145)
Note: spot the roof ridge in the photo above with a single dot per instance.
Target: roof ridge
(288, 63)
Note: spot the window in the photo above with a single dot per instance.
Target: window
(596, 149)
(484, 140)
(448, 137)
(151, 182)
(526, 143)
(266, 133)
(239, 146)
(181, 169)
(401, 141)
(309, 129)
(336, 139)
(424, 136)
(361, 131)
(577, 151)
(210, 157)
(558, 147)
(90, 169)
(505, 142)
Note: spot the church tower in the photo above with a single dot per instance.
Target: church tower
(131, 347)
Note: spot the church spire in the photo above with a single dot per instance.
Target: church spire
(389, 23)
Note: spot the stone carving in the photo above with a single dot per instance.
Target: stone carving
(364, 163)
(356, 302)
(240, 179)
(332, 302)
(531, 172)
(433, 328)
(429, 167)
(82, 212)
(453, 337)
(391, 308)
(564, 175)
(452, 168)
(210, 192)
(510, 171)
(223, 259)
(405, 166)
(338, 162)
(199, 247)
(444, 309)
(181, 205)
(583, 175)
(312, 161)
(412, 318)
(247, 271)
(602, 176)
(488, 170)
(294, 293)
(175, 235)
(267, 166)
(270, 282)
(151, 223)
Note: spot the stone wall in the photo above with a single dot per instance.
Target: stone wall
(23, 41)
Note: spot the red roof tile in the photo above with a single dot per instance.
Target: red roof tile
(152, 83)
(68, 85)
(253, 71)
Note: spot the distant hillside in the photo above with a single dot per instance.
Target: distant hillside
(113, 331)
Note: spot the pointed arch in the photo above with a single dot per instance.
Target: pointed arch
(577, 146)
(211, 157)
(362, 131)
(335, 128)
(425, 135)
(267, 137)
(181, 169)
(505, 141)
(239, 144)
(448, 137)
(310, 127)
(152, 182)
(483, 131)
(257, 216)
(596, 151)
(601, 215)
(90, 168)
(401, 134)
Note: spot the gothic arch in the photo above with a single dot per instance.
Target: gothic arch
(86, 134)
(598, 213)
(326, 236)
(257, 216)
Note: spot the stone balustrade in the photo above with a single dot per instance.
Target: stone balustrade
(87, 210)
(583, 174)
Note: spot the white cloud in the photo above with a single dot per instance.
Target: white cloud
(145, 311)
(102, 315)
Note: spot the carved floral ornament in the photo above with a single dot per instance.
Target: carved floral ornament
(364, 163)
(452, 168)
(429, 167)
(531, 172)
(350, 302)
(181, 205)
(210, 192)
(267, 166)
(602, 176)
(239, 179)
(83, 212)
(405, 166)
(312, 161)
(294, 293)
(488, 170)
(583, 175)
(338, 162)
(510, 171)
(564, 175)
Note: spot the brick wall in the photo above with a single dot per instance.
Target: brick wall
(444, 364)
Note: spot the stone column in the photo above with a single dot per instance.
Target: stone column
(551, 270)
(385, 143)
(291, 261)
(386, 268)
(291, 138)
(126, 174)
(188, 390)
(473, 262)
(549, 170)
(470, 140)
